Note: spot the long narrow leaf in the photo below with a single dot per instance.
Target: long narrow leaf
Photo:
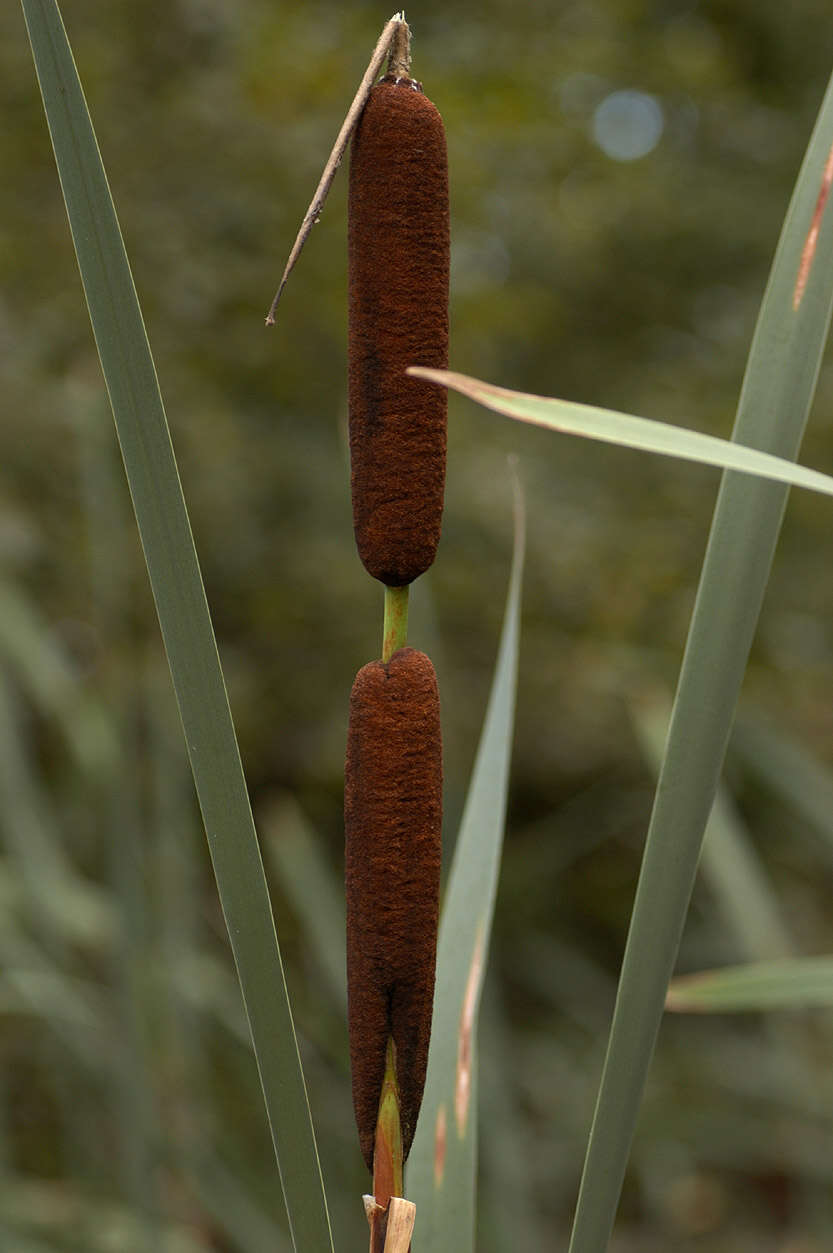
(798, 983)
(442, 1164)
(610, 427)
(775, 400)
(184, 618)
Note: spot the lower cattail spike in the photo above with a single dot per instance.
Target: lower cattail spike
(392, 818)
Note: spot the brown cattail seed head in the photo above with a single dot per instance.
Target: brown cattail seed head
(392, 820)
(398, 243)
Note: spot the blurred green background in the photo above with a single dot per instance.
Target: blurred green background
(619, 174)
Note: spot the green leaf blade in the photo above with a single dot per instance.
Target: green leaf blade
(775, 400)
(179, 595)
(797, 983)
(628, 431)
(441, 1170)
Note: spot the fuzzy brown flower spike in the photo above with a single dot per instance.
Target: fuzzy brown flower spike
(398, 236)
(392, 818)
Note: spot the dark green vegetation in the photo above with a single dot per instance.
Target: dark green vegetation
(632, 285)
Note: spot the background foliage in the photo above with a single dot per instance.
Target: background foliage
(128, 1098)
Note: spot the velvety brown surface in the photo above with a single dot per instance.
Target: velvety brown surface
(392, 821)
(398, 241)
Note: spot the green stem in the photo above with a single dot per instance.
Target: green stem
(395, 630)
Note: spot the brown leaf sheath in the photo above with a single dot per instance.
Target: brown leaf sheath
(398, 245)
(392, 821)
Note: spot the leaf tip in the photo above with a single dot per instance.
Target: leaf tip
(428, 373)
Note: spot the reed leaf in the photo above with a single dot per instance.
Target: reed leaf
(188, 635)
(777, 392)
(775, 400)
(796, 983)
(441, 1169)
(567, 417)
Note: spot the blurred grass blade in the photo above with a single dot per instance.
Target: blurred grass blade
(33, 654)
(234, 1211)
(741, 886)
(503, 1157)
(64, 1002)
(786, 768)
(775, 400)
(797, 983)
(38, 1207)
(64, 908)
(310, 885)
(183, 614)
(442, 1166)
(570, 418)
(730, 863)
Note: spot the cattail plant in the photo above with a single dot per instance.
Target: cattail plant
(398, 314)
(399, 254)
(393, 761)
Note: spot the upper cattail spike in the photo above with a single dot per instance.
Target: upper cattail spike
(398, 246)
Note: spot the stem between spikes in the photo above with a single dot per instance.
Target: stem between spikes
(395, 629)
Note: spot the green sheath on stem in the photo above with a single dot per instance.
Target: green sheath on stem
(388, 1153)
